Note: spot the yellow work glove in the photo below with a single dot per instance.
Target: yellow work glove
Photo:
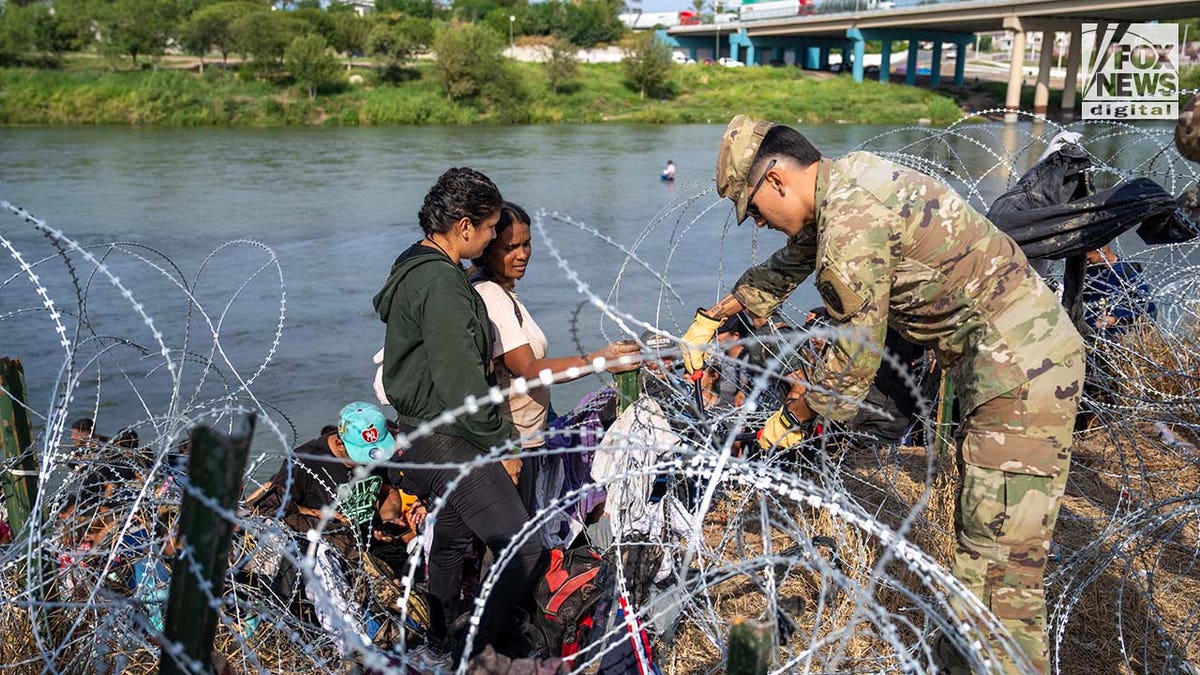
(698, 336)
(781, 430)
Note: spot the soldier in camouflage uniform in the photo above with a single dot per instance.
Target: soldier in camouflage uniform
(892, 246)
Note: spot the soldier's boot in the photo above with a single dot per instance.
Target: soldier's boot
(948, 659)
(1187, 130)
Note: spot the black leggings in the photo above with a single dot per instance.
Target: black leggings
(485, 504)
(527, 481)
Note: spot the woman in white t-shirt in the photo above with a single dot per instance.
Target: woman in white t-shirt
(519, 345)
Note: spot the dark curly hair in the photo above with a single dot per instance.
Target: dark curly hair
(511, 213)
(459, 193)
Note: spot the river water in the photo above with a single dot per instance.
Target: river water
(336, 206)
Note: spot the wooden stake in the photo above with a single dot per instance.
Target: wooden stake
(16, 446)
(215, 467)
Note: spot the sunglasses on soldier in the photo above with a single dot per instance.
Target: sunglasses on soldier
(751, 209)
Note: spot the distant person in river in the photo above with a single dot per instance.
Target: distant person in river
(437, 354)
(669, 172)
(520, 347)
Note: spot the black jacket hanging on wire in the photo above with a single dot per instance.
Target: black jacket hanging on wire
(1052, 211)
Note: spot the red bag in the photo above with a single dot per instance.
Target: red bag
(567, 594)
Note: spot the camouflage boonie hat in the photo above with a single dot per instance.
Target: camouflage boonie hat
(1187, 130)
(739, 147)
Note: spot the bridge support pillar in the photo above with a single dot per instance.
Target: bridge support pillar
(812, 58)
(739, 40)
(960, 63)
(910, 75)
(1041, 91)
(885, 61)
(857, 46)
(935, 65)
(1016, 69)
(823, 59)
(859, 52)
(692, 53)
(1074, 56)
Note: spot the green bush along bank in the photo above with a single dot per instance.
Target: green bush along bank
(596, 93)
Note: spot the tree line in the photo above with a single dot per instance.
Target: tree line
(306, 44)
(41, 31)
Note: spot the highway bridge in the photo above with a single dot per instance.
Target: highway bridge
(812, 38)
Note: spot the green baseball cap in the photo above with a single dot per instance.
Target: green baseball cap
(739, 147)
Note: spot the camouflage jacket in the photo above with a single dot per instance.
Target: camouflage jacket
(892, 246)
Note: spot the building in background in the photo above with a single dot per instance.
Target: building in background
(361, 7)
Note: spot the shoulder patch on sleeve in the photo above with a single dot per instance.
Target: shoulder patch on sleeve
(839, 294)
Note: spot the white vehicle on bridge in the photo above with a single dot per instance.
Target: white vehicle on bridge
(651, 20)
(783, 9)
(776, 9)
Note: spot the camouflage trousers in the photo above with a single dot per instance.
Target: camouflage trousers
(1015, 452)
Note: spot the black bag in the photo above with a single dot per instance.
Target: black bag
(1052, 212)
(566, 596)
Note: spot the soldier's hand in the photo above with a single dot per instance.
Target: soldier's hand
(613, 352)
(696, 339)
(781, 430)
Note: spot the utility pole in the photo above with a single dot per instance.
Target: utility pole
(512, 46)
(717, 26)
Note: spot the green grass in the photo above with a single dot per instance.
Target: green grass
(1189, 80)
(89, 96)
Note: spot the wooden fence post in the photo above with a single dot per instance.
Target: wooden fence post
(16, 446)
(215, 467)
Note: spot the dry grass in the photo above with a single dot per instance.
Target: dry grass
(269, 650)
(1157, 618)
(1147, 575)
(1124, 621)
(1147, 367)
(1123, 578)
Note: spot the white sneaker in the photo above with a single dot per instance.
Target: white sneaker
(426, 661)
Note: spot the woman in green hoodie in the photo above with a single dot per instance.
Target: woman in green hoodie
(437, 356)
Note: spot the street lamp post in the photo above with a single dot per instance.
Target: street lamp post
(511, 20)
(717, 35)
